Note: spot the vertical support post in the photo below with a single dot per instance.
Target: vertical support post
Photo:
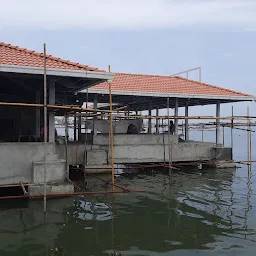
(186, 121)
(79, 124)
(75, 128)
(202, 133)
(111, 134)
(66, 145)
(150, 118)
(95, 103)
(51, 113)
(169, 133)
(38, 115)
(223, 135)
(45, 125)
(111, 137)
(157, 120)
(249, 140)
(218, 122)
(176, 114)
(231, 130)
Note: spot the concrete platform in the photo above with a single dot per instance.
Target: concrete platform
(35, 190)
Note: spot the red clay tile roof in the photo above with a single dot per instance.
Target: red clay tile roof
(14, 55)
(164, 84)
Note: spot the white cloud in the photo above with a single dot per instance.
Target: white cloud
(126, 14)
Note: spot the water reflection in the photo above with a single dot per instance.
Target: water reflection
(211, 211)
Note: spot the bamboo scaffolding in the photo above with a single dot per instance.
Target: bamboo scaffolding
(50, 106)
(190, 117)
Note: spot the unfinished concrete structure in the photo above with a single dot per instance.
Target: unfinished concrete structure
(22, 150)
(140, 93)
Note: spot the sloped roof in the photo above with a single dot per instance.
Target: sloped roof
(140, 83)
(14, 55)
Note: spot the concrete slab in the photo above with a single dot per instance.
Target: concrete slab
(34, 190)
(55, 171)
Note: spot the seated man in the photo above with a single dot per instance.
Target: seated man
(132, 129)
(172, 127)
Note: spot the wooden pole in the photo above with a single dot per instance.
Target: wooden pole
(111, 134)
(45, 125)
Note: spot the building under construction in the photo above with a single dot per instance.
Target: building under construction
(37, 87)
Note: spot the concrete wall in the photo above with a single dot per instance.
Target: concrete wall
(142, 148)
(135, 139)
(159, 153)
(16, 161)
(120, 126)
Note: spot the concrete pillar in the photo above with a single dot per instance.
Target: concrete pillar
(38, 123)
(149, 120)
(176, 113)
(157, 121)
(186, 121)
(51, 114)
(95, 106)
(218, 122)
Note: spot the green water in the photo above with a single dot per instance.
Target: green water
(208, 213)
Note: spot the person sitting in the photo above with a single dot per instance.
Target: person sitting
(132, 129)
(172, 127)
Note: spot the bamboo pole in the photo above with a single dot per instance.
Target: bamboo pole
(45, 125)
(50, 106)
(111, 135)
(192, 117)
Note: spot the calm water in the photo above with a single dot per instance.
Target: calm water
(196, 213)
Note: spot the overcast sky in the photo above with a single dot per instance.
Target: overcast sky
(143, 36)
